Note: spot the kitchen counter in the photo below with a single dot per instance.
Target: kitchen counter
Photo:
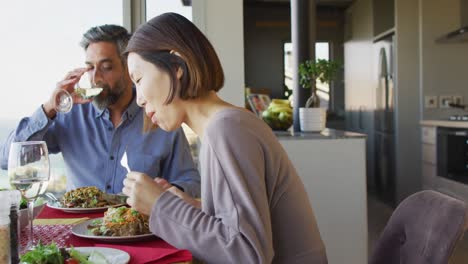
(327, 133)
(445, 123)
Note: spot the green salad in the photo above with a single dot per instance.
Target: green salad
(51, 254)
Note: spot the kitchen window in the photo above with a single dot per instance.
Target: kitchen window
(158, 7)
(40, 45)
(322, 51)
(43, 45)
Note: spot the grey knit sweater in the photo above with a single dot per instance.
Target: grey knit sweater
(254, 206)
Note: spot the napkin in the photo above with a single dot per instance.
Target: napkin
(60, 221)
(154, 252)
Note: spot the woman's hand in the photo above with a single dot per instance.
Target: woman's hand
(184, 196)
(165, 185)
(162, 183)
(142, 191)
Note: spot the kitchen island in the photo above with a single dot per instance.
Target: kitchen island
(332, 166)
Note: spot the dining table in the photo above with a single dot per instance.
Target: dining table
(52, 225)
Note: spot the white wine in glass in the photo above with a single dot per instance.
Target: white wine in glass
(29, 172)
(83, 89)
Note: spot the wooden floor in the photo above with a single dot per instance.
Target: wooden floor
(378, 215)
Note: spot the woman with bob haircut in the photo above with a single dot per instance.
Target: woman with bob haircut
(254, 208)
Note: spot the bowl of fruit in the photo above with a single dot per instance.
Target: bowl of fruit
(278, 115)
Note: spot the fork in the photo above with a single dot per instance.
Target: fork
(52, 198)
(124, 161)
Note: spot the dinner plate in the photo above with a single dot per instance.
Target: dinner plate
(81, 230)
(112, 255)
(82, 210)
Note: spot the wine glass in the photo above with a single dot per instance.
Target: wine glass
(83, 88)
(64, 101)
(29, 172)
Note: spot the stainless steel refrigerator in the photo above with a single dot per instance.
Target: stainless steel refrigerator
(384, 120)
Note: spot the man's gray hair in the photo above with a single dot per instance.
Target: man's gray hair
(109, 33)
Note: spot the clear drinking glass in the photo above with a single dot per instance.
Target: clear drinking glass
(29, 172)
(64, 101)
(83, 89)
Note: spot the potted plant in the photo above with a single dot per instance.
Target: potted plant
(312, 117)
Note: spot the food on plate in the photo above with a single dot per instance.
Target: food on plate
(84, 197)
(120, 221)
(55, 255)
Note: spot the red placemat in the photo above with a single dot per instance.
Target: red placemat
(156, 251)
(60, 234)
(48, 213)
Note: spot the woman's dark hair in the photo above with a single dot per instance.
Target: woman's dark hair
(170, 41)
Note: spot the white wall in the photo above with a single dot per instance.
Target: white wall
(222, 23)
(444, 66)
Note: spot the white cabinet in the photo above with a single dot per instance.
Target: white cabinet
(428, 134)
(429, 156)
(334, 175)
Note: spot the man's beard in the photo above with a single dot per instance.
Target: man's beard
(109, 96)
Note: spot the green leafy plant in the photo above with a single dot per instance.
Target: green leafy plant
(310, 71)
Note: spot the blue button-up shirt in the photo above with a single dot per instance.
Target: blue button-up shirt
(92, 148)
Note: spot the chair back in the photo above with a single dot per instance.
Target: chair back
(424, 228)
